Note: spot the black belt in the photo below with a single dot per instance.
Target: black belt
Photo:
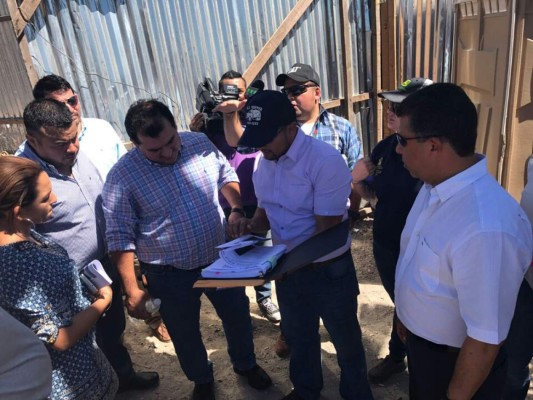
(443, 348)
(170, 267)
(330, 261)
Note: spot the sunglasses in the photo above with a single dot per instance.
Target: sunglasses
(296, 90)
(394, 107)
(402, 141)
(72, 101)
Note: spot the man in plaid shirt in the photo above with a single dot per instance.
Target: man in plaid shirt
(161, 202)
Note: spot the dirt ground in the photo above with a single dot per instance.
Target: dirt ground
(375, 315)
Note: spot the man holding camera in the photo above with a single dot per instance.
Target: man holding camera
(243, 163)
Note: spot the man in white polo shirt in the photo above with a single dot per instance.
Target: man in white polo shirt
(464, 251)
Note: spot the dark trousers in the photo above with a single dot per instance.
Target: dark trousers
(180, 309)
(386, 260)
(328, 292)
(109, 328)
(431, 368)
(519, 345)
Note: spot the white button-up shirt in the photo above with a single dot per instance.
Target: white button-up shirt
(464, 251)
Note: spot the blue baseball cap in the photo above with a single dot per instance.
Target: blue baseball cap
(264, 114)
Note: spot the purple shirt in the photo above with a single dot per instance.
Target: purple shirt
(243, 164)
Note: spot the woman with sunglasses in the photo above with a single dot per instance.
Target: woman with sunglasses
(383, 180)
(41, 286)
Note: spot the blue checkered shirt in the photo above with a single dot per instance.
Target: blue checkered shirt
(168, 214)
(339, 133)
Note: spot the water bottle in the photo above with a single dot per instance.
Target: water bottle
(152, 305)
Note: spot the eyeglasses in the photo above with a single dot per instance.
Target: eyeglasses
(72, 101)
(296, 90)
(394, 107)
(402, 141)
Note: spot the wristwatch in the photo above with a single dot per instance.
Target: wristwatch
(237, 210)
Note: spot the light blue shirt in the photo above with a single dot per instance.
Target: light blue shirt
(311, 179)
(77, 222)
(168, 214)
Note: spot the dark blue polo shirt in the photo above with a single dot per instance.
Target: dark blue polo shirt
(396, 191)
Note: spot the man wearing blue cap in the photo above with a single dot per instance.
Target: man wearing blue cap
(302, 186)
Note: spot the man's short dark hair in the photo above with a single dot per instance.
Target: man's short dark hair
(50, 114)
(49, 84)
(443, 110)
(231, 74)
(147, 117)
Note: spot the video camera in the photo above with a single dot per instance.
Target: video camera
(207, 98)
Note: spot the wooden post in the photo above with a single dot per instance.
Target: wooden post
(347, 61)
(19, 16)
(376, 62)
(275, 40)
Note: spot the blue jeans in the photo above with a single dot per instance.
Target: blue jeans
(519, 345)
(328, 292)
(386, 260)
(180, 309)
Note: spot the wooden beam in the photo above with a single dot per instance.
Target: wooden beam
(331, 103)
(275, 40)
(375, 22)
(427, 41)
(12, 121)
(23, 15)
(418, 40)
(360, 97)
(23, 42)
(347, 60)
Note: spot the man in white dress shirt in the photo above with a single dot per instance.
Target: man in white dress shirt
(464, 251)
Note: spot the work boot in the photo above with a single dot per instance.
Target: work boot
(385, 369)
(257, 377)
(204, 391)
(281, 348)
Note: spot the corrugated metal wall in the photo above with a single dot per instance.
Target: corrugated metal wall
(115, 52)
(425, 32)
(16, 91)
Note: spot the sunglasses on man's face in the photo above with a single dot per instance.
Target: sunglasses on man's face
(296, 90)
(394, 107)
(72, 101)
(402, 140)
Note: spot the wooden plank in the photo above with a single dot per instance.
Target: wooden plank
(360, 97)
(331, 103)
(275, 40)
(23, 15)
(401, 48)
(427, 41)
(347, 60)
(376, 69)
(23, 42)
(418, 40)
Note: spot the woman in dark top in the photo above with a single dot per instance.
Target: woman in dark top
(41, 286)
(383, 180)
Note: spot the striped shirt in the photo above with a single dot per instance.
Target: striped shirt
(168, 214)
(339, 133)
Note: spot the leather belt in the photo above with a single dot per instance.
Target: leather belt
(330, 261)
